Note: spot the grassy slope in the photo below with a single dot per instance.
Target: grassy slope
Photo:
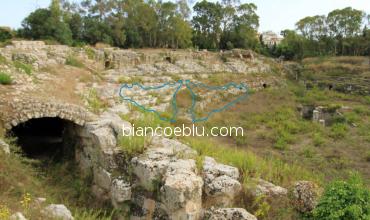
(282, 147)
(22, 181)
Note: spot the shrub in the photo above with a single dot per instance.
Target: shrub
(94, 102)
(23, 66)
(281, 144)
(317, 139)
(5, 34)
(73, 61)
(90, 53)
(368, 156)
(367, 100)
(3, 60)
(344, 200)
(5, 79)
(338, 130)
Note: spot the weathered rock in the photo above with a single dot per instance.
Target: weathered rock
(39, 201)
(151, 166)
(146, 208)
(228, 214)
(220, 182)
(175, 148)
(120, 191)
(223, 186)
(101, 194)
(268, 189)
(4, 146)
(304, 196)
(58, 211)
(17, 216)
(212, 169)
(181, 193)
(102, 178)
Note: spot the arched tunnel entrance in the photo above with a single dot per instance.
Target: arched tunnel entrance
(44, 138)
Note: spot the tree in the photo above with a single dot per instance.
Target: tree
(312, 27)
(47, 24)
(207, 24)
(241, 31)
(5, 34)
(291, 46)
(182, 33)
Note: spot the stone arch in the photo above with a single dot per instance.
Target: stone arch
(43, 127)
(22, 111)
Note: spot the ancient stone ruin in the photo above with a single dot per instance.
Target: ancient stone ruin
(163, 182)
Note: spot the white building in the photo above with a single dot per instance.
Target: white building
(270, 38)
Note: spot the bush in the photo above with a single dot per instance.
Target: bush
(338, 130)
(5, 34)
(5, 79)
(73, 61)
(3, 60)
(23, 66)
(318, 139)
(94, 102)
(344, 200)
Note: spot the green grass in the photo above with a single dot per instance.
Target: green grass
(3, 60)
(22, 180)
(94, 102)
(133, 145)
(250, 164)
(129, 80)
(73, 61)
(338, 131)
(146, 119)
(5, 79)
(26, 68)
(90, 52)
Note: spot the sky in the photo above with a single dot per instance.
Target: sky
(275, 15)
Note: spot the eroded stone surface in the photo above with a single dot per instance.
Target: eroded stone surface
(229, 214)
(120, 191)
(182, 190)
(304, 195)
(58, 211)
(266, 188)
(220, 182)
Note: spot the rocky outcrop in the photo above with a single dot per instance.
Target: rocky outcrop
(304, 196)
(57, 211)
(36, 53)
(228, 214)
(181, 193)
(161, 183)
(268, 189)
(152, 165)
(220, 183)
(120, 192)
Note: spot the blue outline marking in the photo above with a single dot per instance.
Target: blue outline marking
(188, 84)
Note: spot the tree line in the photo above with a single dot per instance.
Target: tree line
(341, 32)
(145, 23)
(220, 25)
